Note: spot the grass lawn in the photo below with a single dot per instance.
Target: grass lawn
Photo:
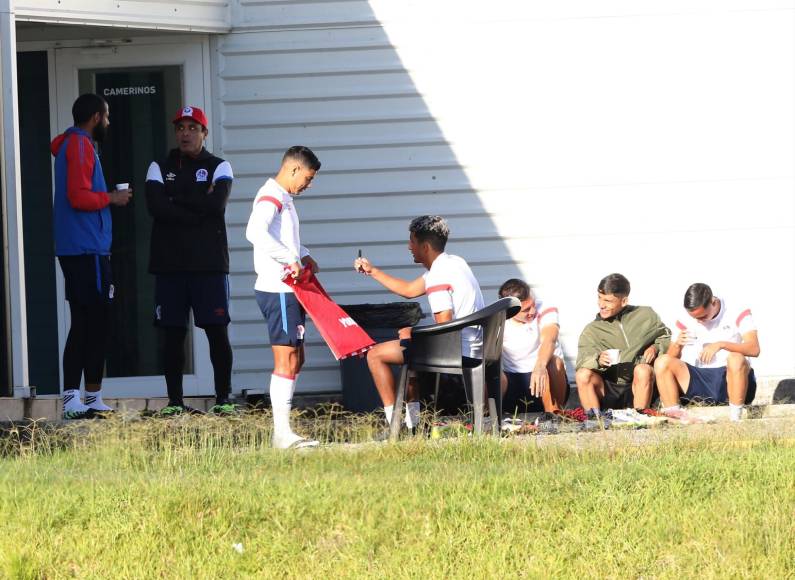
(206, 498)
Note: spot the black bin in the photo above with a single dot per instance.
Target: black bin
(381, 322)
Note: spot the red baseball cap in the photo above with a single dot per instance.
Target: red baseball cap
(194, 113)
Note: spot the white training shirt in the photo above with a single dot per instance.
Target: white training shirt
(450, 285)
(522, 340)
(273, 230)
(729, 325)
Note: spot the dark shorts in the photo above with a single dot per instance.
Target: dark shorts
(709, 386)
(206, 294)
(617, 396)
(88, 279)
(285, 317)
(517, 397)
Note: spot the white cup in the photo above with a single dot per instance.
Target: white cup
(122, 186)
(613, 354)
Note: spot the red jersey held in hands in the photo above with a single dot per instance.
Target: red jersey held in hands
(342, 334)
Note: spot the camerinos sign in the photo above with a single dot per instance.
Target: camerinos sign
(129, 91)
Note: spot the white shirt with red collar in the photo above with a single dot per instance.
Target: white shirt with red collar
(728, 326)
(273, 230)
(522, 340)
(450, 285)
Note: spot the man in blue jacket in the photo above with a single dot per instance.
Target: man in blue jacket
(83, 235)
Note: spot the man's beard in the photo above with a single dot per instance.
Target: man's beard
(99, 133)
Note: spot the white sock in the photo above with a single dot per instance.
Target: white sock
(735, 412)
(671, 408)
(412, 414)
(388, 412)
(72, 402)
(94, 400)
(281, 391)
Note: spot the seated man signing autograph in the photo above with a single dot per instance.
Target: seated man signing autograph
(453, 292)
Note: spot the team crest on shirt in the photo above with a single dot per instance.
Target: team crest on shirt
(201, 175)
(170, 176)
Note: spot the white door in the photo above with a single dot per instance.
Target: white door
(144, 86)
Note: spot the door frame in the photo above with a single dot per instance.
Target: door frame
(193, 54)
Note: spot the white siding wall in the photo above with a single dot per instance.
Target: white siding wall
(563, 140)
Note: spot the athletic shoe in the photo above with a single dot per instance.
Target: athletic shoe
(292, 441)
(403, 433)
(686, 418)
(510, 425)
(626, 419)
(595, 421)
(98, 405)
(174, 410)
(577, 415)
(224, 409)
(456, 428)
(74, 415)
(652, 418)
(548, 423)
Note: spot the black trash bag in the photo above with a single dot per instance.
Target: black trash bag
(390, 315)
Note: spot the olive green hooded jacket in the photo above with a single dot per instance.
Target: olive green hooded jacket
(631, 331)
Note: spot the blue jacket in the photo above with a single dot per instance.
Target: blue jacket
(81, 214)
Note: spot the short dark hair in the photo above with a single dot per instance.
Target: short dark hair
(516, 288)
(303, 155)
(615, 284)
(432, 229)
(698, 295)
(85, 106)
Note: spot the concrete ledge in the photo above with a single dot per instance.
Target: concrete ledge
(11, 409)
(50, 407)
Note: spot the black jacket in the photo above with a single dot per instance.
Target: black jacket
(188, 232)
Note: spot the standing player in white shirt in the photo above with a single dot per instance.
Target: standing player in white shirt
(532, 357)
(453, 292)
(273, 230)
(709, 358)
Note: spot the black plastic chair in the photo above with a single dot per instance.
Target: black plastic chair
(437, 349)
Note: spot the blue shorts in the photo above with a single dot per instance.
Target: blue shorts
(285, 317)
(88, 279)
(709, 386)
(206, 294)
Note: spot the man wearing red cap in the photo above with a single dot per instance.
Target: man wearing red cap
(186, 194)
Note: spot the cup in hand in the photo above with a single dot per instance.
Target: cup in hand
(613, 354)
(122, 186)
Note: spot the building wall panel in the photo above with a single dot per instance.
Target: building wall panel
(563, 141)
